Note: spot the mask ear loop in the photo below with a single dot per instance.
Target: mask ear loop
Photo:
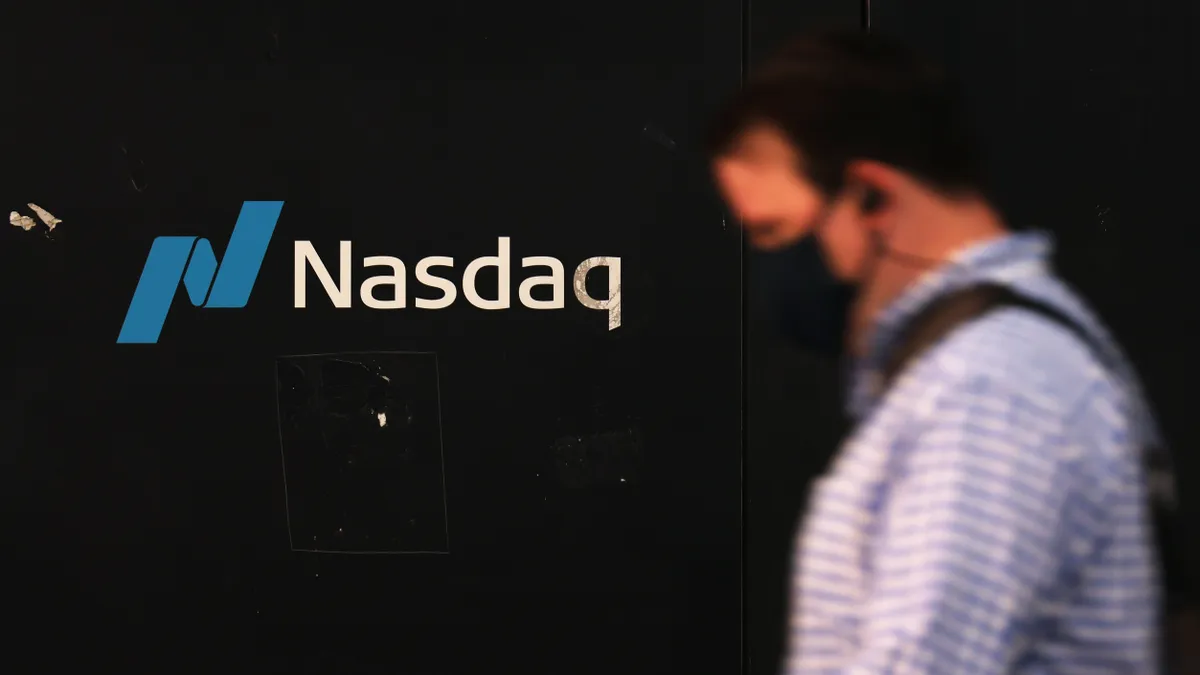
(873, 201)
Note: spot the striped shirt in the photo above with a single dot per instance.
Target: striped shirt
(988, 513)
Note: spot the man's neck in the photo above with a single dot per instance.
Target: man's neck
(944, 232)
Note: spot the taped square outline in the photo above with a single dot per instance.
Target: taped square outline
(283, 458)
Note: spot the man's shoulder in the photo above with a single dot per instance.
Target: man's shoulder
(1025, 355)
(1021, 378)
(1059, 355)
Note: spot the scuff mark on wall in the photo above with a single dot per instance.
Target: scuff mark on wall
(135, 169)
(1102, 215)
(273, 50)
(608, 458)
(658, 136)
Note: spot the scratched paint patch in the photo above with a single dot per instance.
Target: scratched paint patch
(612, 302)
(610, 458)
(360, 437)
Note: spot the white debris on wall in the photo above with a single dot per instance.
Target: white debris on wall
(27, 223)
(45, 216)
(24, 222)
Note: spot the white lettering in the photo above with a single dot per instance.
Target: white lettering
(555, 281)
(449, 292)
(501, 263)
(341, 296)
(307, 255)
(396, 279)
(612, 304)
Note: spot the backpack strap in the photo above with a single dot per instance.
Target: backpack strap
(959, 308)
(943, 316)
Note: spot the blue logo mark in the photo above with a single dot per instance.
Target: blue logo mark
(191, 260)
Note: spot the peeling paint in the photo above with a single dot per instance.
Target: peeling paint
(45, 216)
(24, 222)
(611, 304)
(27, 223)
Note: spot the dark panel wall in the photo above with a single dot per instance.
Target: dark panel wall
(576, 489)
(590, 499)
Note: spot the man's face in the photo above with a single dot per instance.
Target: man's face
(777, 205)
(762, 184)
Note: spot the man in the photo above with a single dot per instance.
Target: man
(990, 512)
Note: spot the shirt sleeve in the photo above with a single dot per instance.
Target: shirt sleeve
(972, 525)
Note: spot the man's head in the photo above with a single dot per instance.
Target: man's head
(848, 159)
(845, 133)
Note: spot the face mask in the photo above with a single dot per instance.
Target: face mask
(810, 304)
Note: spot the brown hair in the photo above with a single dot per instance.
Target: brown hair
(841, 97)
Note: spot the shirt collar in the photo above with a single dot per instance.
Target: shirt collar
(1006, 261)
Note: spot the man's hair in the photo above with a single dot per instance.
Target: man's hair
(841, 97)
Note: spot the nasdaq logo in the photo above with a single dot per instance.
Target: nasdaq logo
(210, 283)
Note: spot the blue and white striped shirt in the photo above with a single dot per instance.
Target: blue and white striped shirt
(988, 515)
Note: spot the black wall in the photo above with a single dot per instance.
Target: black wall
(578, 493)
(548, 496)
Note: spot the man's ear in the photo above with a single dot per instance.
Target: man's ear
(879, 177)
(872, 202)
